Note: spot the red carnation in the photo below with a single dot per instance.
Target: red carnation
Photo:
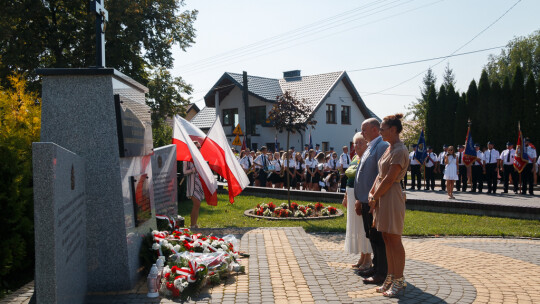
(319, 206)
(294, 206)
(271, 206)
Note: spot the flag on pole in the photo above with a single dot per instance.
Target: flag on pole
(216, 151)
(187, 151)
(221, 159)
(521, 159)
(310, 141)
(420, 153)
(276, 144)
(469, 155)
(244, 147)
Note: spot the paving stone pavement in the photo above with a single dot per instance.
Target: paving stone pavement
(288, 265)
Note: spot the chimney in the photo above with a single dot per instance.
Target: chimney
(291, 75)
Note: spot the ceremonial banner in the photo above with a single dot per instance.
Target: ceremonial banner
(420, 153)
(469, 155)
(520, 159)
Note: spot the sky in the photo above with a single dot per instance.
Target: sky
(266, 38)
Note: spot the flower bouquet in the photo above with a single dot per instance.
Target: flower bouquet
(294, 210)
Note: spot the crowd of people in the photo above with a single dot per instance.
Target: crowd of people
(313, 169)
(489, 167)
(310, 169)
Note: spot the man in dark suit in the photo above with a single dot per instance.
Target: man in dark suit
(365, 176)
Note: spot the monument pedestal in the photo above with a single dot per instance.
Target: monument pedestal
(79, 114)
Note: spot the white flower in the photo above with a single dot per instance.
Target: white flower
(224, 247)
(182, 238)
(154, 232)
(215, 244)
(179, 284)
(177, 248)
(166, 269)
(206, 250)
(196, 244)
(155, 246)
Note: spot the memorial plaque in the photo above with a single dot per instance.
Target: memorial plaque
(165, 180)
(60, 225)
(134, 127)
(141, 199)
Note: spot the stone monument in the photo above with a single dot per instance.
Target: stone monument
(60, 214)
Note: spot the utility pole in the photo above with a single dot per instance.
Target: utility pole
(246, 108)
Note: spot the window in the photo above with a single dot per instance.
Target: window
(230, 117)
(331, 113)
(345, 115)
(325, 146)
(257, 116)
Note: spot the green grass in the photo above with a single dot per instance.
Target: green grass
(417, 223)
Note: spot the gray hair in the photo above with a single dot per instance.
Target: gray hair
(357, 136)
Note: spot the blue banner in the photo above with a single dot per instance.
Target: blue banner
(310, 141)
(421, 151)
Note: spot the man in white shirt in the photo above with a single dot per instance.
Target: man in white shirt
(461, 184)
(306, 151)
(478, 170)
(441, 165)
(261, 165)
(416, 177)
(344, 161)
(430, 161)
(491, 160)
(507, 160)
(317, 150)
(527, 178)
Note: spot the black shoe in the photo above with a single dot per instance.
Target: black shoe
(505, 191)
(376, 279)
(515, 192)
(411, 188)
(367, 273)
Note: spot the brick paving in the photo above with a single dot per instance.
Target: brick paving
(288, 265)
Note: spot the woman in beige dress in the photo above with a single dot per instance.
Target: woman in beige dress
(387, 201)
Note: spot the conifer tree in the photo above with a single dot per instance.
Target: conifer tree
(518, 94)
(482, 117)
(419, 108)
(530, 120)
(449, 78)
(506, 123)
(449, 111)
(496, 129)
(431, 115)
(460, 123)
(472, 108)
(441, 127)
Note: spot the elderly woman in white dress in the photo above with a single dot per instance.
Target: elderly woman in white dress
(355, 238)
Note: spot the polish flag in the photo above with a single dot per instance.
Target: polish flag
(217, 152)
(187, 151)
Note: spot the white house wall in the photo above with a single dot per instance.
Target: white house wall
(337, 135)
(267, 134)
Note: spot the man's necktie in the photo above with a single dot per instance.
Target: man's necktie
(508, 157)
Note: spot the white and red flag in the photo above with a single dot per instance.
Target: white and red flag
(187, 151)
(521, 159)
(217, 152)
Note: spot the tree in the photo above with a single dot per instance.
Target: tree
(523, 52)
(509, 132)
(496, 116)
(440, 117)
(472, 106)
(20, 115)
(517, 99)
(291, 115)
(448, 77)
(449, 114)
(431, 116)
(139, 37)
(530, 102)
(419, 108)
(460, 124)
(482, 116)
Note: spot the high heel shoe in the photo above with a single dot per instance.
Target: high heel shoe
(398, 286)
(386, 285)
